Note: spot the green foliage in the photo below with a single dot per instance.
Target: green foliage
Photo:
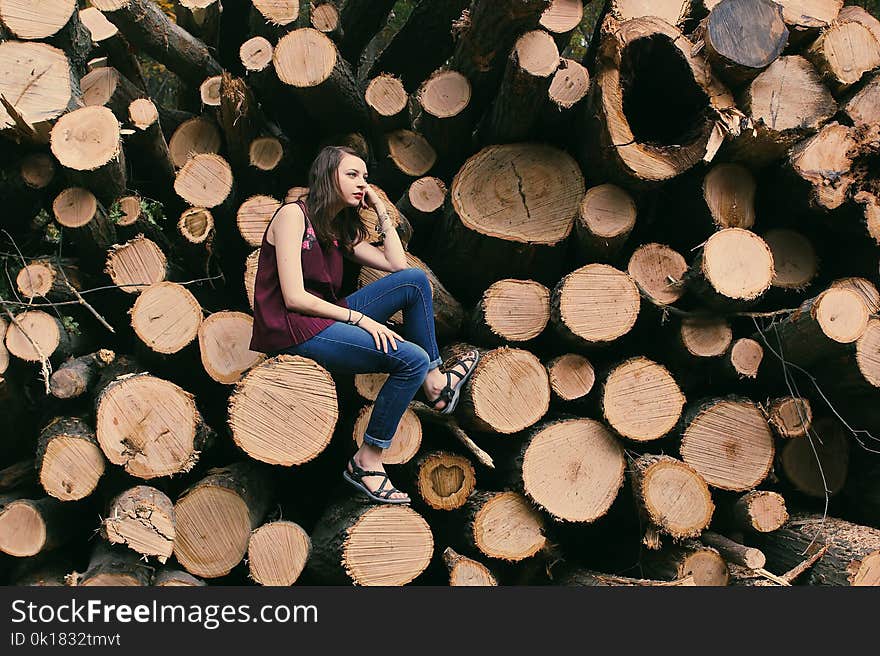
(70, 325)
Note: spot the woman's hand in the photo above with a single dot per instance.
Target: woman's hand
(381, 333)
(372, 201)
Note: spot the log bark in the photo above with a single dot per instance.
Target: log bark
(83, 217)
(109, 40)
(106, 86)
(523, 91)
(728, 442)
(167, 577)
(445, 117)
(422, 205)
(32, 526)
(277, 553)
(605, 220)
(76, 376)
(818, 463)
(69, 461)
(304, 410)
(356, 542)
(215, 517)
(851, 558)
(141, 518)
(112, 567)
(147, 27)
(201, 18)
(691, 559)
(149, 150)
(589, 578)
(428, 30)
(361, 19)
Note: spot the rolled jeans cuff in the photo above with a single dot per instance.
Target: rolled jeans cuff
(433, 364)
(382, 444)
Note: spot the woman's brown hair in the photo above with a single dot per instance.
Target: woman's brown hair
(323, 194)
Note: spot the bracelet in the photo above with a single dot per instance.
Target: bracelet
(359, 319)
(348, 321)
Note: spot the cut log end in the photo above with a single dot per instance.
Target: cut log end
(659, 272)
(211, 552)
(33, 336)
(24, 22)
(71, 467)
(841, 314)
(573, 469)
(405, 442)
(465, 571)
(705, 336)
(729, 192)
(406, 546)
(864, 288)
(37, 76)
(86, 139)
(427, 194)
(570, 84)
(136, 265)
(324, 17)
(265, 153)
(745, 357)
(22, 529)
(166, 317)
(297, 397)
(304, 45)
(675, 498)
(827, 441)
(204, 181)
(142, 518)
(641, 400)
(597, 303)
(37, 170)
(562, 16)
(571, 376)
(445, 480)
(158, 435)
(193, 137)
(445, 94)
(74, 207)
(209, 91)
(738, 264)
(867, 350)
(607, 211)
(729, 444)
(794, 259)
(35, 279)
(278, 12)
(536, 53)
(143, 113)
(761, 510)
(256, 54)
(516, 310)
(224, 338)
(507, 527)
(253, 218)
(369, 385)
(277, 553)
(130, 210)
(410, 152)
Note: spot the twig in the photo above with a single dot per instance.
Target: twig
(424, 412)
(797, 570)
(770, 576)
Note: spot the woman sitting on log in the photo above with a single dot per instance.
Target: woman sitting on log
(297, 309)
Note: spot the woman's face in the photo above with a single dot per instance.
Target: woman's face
(351, 176)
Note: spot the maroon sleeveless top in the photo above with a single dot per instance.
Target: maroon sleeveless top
(276, 327)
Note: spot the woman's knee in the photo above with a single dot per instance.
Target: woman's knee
(413, 276)
(414, 359)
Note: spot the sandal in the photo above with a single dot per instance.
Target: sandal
(381, 495)
(451, 393)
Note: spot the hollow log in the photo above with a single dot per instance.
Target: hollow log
(510, 311)
(149, 426)
(728, 442)
(360, 543)
(277, 553)
(851, 558)
(406, 440)
(69, 462)
(514, 227)
(672, 496)
(448, 312)
(295, 395)
(148, 28)
(223, 344)
(327, 87)
(523, 91)
(759, 511)
(733, 269)
(464, 571)
(87, 144)
(442, 480)
(631, 140)
(141, 518)
(215, 517)
(502, 525)
(516, 398)
(428, 30)
(594, 305)
(112, 567)
(605, 219)
(571, 468)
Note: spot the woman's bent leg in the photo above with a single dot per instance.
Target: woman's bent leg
(407, 290)
(349, 349)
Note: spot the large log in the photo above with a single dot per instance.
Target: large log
(360, 543)
(36, 336)
(166, 317)
(215, 517)
(57, 22)
(147, 27)
(406, 441)
(844, 52)
(136, 265)
(818, 463)
(296, 396)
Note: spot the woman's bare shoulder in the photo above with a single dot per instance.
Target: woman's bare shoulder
(289, 221)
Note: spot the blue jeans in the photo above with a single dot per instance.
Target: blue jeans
(345, 349)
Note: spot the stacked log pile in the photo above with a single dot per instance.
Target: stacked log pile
(665, 249)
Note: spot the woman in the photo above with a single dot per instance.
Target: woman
(297, 309)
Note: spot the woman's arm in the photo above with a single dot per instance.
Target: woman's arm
(393, 257)
(289, 227)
